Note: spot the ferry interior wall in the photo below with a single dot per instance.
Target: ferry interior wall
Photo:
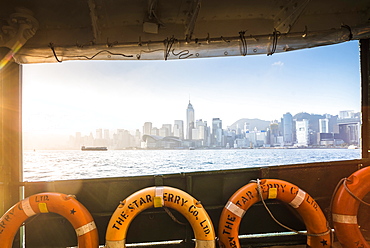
(204, 209)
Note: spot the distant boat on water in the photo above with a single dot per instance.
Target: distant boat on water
(352, 147)
(94, 148)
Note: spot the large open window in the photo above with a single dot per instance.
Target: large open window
(189, 115)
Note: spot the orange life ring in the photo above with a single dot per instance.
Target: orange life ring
(245, 197)
(345, 208)
(161, 196)
(62, 204)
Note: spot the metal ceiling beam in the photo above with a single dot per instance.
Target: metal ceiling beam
(200, 48)
(289, 14)
(94, 21)
(193, 15)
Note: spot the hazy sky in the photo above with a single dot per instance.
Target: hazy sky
(64, 98)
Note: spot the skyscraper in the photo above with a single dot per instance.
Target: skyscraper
(106, 134)
(324, 125)
(201, 126)
(99, 134)
(216, 138)
(169, 129)
(274, 133)
(189, 120)
(178, 129)
(346, 114)
(147, 128)
(302, 133)
(287, 122)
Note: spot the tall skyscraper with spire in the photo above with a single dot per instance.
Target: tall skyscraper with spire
(189, 120)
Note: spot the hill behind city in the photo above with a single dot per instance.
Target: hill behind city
(252, 123)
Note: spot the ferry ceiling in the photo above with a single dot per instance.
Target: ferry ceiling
(43, 31)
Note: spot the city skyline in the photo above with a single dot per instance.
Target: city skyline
(216, 123)
(60, 98)
(300, 130)
(209, 122)
(101, 133)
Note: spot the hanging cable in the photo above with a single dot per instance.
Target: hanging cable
(332, 199)
(51, 45)
(96, 54)
(173, 217)
(278, 222)
(350, 35)
(353, 195)
(86, 57)
(343, 181)
(243, 43)
(138, 56)
(275, 36)
(168, 45)
(184, 54)
(227, 41)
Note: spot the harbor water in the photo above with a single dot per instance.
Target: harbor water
(50, 165)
